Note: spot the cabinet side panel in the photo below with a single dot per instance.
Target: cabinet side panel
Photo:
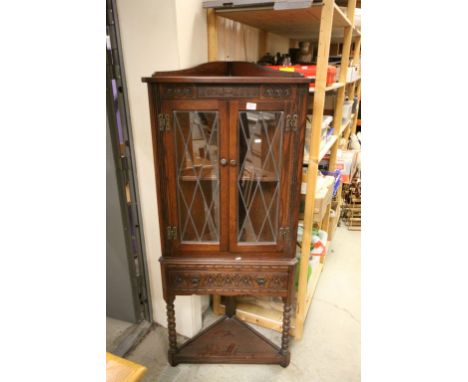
(297, 154)
(158, 158)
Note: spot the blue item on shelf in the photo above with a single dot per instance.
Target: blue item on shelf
(337, 175)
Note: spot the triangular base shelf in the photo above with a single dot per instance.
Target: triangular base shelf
(230, 340)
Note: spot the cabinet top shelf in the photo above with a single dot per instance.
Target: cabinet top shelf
(227, 72)
(303, 23)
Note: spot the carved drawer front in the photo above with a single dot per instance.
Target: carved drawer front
(272, 281)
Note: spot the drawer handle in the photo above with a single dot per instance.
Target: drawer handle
(260, 281)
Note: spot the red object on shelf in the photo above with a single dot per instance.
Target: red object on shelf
(308, 71)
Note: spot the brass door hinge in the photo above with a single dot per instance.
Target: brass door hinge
(171, 232)
(288, 123)
(291, 123)
(164, 124)
(284, 233)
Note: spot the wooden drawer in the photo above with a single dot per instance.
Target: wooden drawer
(229, 280)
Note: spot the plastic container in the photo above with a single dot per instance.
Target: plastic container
(347, 107)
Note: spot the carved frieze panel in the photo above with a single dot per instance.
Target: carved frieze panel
(276, 91)
(242, 282)
(177, 91)
(227, 91)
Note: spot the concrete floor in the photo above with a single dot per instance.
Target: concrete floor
(114, 330)
(328, 352)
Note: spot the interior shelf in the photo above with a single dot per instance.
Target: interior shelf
(252, 173)
(353, 81)
(240, 343)
(345, 125)
(326, 148)
(194, 178)
(261, 175)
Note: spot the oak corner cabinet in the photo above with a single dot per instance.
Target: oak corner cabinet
(228, 140)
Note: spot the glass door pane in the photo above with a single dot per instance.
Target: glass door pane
(260, 137)
(197, 175)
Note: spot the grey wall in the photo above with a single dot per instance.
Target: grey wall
(120, 303)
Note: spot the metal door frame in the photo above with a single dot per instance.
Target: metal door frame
(127, 172)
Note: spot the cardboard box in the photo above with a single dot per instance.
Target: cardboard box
(346, 161)
(323, 197)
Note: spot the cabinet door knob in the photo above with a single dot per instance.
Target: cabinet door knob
(223, 161)
(233, 162)
(260, 281)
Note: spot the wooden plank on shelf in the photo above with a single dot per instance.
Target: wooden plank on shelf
(259, 315)
(217, 304)
(262, 42)
(314, 278)
(326, 148)
(212, 35)
(332, 87)
(353, 81)
(345, 126)
(351, 208)
(306, 20)
(326, 219)
(341, 18)
(327, 247)
(340, 98)
(323, 50)
(334, 225)
(329, 242)
(357, 52)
